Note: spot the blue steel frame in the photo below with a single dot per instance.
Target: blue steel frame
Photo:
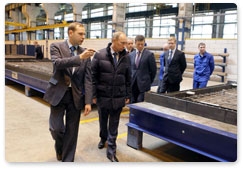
(23, 79)
(216, 144)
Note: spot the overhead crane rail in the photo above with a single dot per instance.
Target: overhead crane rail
(59, 25)
(15, 24)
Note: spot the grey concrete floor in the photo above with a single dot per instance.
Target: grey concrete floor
(27, 138)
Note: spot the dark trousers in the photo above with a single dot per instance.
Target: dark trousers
(169, 87)
(65, 134)
(109, 122)
(137, 96)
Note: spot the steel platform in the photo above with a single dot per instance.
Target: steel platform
(33, 74)
(187, 120)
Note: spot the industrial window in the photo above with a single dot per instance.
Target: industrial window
(97, 12)
(202, 25)
(84, 14)
(136, 7)
(68, 17)
(135, 27)
(230, 24)
(95, 32)
(163, 27)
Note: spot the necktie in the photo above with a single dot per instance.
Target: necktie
(72, 48)
(138, 59)
(170, 56)
(115, 59)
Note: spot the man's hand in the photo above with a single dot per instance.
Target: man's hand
(87, 53)
(87, 109)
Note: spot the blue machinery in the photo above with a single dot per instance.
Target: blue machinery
(186, 127)
(29, 82)
(32, 74)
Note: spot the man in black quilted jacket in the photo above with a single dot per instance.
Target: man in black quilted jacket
(111, 76)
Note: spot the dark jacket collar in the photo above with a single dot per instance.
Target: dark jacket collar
(121, 53)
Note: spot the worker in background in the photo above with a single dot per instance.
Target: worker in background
(69, 90)
(144, 69)
(129, 46)
(38, 51)
(203, 67)
(111, 75)
(161, 70)
(175, 65)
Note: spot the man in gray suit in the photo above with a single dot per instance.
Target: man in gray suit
(69, 90)
(144, 69)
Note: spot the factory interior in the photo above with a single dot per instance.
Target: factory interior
(173, 130)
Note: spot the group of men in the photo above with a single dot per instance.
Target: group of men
(116, 76)
(203, 67)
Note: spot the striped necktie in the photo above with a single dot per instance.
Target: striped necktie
(72, 48)
(115, 58)
(137, 59)
(170, 57)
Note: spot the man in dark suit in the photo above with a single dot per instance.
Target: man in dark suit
(175, 65)
(69, 90)
(144, 69)
(38, 51)
(111, 74)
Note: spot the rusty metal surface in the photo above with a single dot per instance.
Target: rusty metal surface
(37, 69)
(215, 102)
(19, 57)
(226, 98)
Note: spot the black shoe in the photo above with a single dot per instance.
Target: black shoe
(101, 144)
(59, 157)
(113, 158)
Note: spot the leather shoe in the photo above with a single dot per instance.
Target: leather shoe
(101, 144)
(59, 157)
(113, 158)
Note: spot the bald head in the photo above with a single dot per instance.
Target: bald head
(165, 47)
(129, 45)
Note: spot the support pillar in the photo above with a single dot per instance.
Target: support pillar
(218, 29)
(15, 15)
(184, 24)
(31, 12)
(134, 138)
(50, 10)
(118, 18)
(77, 11)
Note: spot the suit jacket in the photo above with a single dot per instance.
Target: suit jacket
(174, 70)
(80, 79)
(39, 54)
(146, 71)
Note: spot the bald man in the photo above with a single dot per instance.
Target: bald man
(129, 46)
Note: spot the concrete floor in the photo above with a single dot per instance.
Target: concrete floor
(27, 138)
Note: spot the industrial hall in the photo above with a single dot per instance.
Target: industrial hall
(120, 82)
